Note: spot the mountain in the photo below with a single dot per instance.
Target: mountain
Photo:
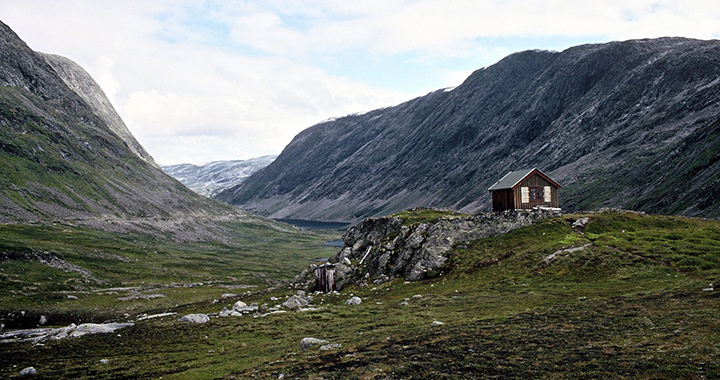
(66, 154)
(630, 124)
(214, 177)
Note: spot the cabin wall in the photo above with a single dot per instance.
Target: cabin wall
(503, 200)
(523, 193)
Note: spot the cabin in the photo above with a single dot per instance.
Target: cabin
(524, 189)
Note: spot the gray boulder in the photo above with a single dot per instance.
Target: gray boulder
(306, 343)
(246, 309)
(354, 301)
(194, 318)
(330, 347)
(295, 302)
(29, 371)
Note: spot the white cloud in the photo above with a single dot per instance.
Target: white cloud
(206, 80)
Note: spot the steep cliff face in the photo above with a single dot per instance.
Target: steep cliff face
(625, 124)
(378, 250)
(64, 154)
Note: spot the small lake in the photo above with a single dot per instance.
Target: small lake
(315, 224)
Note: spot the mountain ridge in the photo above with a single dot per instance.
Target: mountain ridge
(627, 124)
(62, 159)
(212, 178)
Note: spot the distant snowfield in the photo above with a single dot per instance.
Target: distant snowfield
(214, 177)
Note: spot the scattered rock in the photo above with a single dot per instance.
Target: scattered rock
(194, 318)
(272, 312)
(354, 301)
(49, 333)
(417, 296)
(97, 328)
(229, 295)
(404, 303)
(437, 323)
(238, 305)
(306, 343)
(141, 296)
(153, 316)
(295, 302)
(71, 297)
(580, 224)
(29, 371)
(710, 289)
(104, 361)
(43, 320)
(330, 347)
(246, 309)
(550, 258)
(224, 312)
(310, 309)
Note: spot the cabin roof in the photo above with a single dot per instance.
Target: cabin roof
(512, 179)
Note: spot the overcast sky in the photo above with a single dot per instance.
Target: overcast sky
(200, 81)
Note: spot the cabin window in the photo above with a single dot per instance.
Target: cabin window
(525, 195)
(548, 194)
(536, 194)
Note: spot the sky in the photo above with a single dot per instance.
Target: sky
(200, 81)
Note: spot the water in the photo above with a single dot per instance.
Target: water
(315, 224)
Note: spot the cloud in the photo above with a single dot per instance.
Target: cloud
(197, 81)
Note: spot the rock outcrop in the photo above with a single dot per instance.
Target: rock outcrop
(378, 250)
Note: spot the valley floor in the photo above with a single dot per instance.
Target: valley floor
(638, 301)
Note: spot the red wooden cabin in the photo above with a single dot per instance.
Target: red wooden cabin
(524, 189)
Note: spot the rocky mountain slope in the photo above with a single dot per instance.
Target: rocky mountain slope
(64, 152)
(214, 177)
(624, 124)
(82, 84)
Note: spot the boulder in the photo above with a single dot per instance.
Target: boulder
(329, 347)
(295, 302)
(43, 320)
(306, 343)
(97, 328)
(194, 318)
(580, 223)
(354, 301)
(29, 371)
(239, 305)
(224, 312)
(246, 309)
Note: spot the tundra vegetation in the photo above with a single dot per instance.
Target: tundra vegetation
(626, 295)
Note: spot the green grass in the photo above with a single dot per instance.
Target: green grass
(610, 310)
(417, 216)
(256, 253)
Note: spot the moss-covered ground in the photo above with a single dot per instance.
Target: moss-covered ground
(634, 302)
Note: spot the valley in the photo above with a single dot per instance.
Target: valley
(112, 269)
(636, 301)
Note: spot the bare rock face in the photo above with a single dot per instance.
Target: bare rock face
(382, 249)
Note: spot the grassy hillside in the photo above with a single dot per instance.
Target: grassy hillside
(634, 302)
